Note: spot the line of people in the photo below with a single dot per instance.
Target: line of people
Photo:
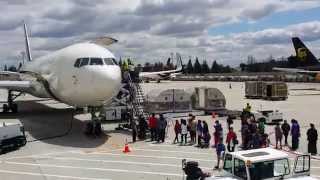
(294, 130)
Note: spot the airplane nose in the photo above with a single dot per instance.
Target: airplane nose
(108, 82)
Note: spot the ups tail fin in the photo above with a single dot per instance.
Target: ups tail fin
(27, 44)
(304, 55)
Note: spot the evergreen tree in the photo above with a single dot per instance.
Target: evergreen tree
(12, 69)
(168, 62)
(197, 66)
(205, 68)
(215, 68)
(189, 69)
(5, 68)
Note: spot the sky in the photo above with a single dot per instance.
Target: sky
(150, 30)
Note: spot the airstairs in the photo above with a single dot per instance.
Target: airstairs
(137, 100)
(131, 95)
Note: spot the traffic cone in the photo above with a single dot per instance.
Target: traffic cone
(126, 148)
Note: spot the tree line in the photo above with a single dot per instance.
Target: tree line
(267, 65)
(203, 68)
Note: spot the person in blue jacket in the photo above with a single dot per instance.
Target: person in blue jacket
(220, 149)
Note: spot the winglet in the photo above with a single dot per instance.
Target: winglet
(27, 42)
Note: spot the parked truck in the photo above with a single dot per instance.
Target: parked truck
(12, 136)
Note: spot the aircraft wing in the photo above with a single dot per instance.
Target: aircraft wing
(294, 70)
(12, 81)
(143, 74)
(167, 73)
(15, 85)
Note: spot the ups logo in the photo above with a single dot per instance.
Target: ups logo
(302, 54)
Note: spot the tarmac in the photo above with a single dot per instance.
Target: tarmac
(72, 155)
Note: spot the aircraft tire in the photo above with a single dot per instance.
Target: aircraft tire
(5, 108)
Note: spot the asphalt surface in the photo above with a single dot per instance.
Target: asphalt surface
(72, 155)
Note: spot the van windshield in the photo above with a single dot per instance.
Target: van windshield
(269, 169)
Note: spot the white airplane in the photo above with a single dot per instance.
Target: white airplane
(163, 75)
(81, 75)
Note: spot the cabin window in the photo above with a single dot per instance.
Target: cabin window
(77, 63)
(84, 62)
(109, 61)
(96, 61)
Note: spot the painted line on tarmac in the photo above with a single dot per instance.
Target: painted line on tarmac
(46, 154)
(170, 151)
(120, 162)
(145, 156)
(95, 169)
(48, 175)
(172, 145)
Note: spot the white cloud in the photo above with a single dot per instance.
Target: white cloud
(152, 29)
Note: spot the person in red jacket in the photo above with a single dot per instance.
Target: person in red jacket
(231, 140)
(153, 126)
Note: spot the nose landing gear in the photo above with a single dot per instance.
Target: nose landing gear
(94, 126)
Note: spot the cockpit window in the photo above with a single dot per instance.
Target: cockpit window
(109, 61)
(77, 63)
(96, 61)
(84, 62)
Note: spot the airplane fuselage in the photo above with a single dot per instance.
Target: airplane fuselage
(60, 77)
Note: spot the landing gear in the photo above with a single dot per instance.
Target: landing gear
(11, 106)
(94, 126)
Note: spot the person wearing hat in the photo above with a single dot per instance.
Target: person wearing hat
(312, 135)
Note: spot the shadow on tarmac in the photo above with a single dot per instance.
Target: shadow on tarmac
(42, 122)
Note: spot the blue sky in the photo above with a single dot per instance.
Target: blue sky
(275, 20)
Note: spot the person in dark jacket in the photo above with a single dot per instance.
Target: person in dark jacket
(229, 121)
(218, 131)
(177, 131)
(312, 140)
(285, 129)
(162, 125)
(199, 132)
(134, 130)
(142, 128)
(278, 135)
(255, 141)
(295, 133)
(205, 127)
